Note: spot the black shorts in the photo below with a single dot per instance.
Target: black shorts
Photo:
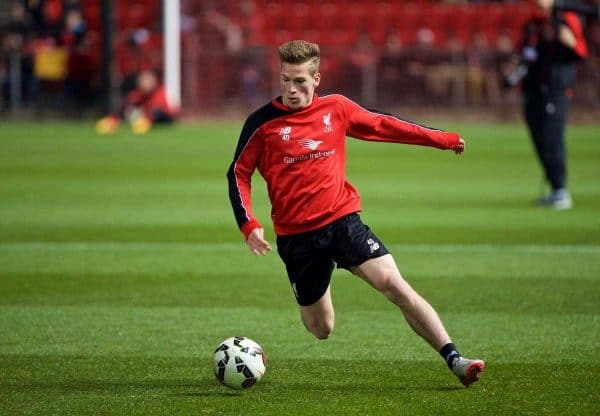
(311, 257)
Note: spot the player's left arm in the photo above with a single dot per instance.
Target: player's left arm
(373, 125)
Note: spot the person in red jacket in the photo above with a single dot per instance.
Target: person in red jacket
(146, 105)
(297, 143)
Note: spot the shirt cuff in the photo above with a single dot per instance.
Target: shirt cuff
(249, 226)
(453, 141)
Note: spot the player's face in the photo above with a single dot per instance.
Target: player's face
(298, 85)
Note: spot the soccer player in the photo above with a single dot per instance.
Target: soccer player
(297, 143)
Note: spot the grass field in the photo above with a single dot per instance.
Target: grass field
(121, 270)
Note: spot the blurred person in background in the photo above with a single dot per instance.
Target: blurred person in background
(242, 41)
(82, 65)
(479, 82)
(390, 67)
(45, 35)
(143, 107)
(553, 42)
(15, 54)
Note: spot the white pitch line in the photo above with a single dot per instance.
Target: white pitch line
(119, 245)
(496, 248)
(396, 248)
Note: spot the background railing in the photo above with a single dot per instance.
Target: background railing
(380, 53)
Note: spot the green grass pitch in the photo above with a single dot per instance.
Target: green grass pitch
(121, 269)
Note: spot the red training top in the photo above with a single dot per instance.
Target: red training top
(302, 157)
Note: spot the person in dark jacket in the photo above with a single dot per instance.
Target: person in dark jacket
(553, 43)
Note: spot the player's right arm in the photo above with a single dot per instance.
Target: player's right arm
(239, 177)
(257, 243)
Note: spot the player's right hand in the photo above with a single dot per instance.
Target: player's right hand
(256, 242)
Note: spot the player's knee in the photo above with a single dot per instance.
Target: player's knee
(396, 289)
(387, 283)
(322, 332)
(321, 329)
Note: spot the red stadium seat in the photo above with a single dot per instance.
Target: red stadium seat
(139, 14)
(92, 14)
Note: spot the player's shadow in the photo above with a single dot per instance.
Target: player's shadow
(446, 388)
(208, 387)
(177, 387)
(359, 388)
(222, 393)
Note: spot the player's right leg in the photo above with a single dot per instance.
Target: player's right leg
(309, 272)
(319, 318)
(467, 370)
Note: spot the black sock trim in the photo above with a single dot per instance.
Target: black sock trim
(449, 353)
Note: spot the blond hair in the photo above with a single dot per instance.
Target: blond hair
(299, 52)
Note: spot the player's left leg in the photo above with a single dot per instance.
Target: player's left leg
(383, 274)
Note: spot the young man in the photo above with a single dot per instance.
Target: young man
(297, 143)
(552, 44)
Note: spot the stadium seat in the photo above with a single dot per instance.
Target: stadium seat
(139, 14)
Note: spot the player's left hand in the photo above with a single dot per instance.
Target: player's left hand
(460, 147)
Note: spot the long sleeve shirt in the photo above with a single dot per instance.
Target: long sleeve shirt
(302, 157)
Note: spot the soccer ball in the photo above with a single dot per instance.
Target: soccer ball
(239, 362)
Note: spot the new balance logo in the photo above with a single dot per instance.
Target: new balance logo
(373, 245)
(285, 133)
(310, 143)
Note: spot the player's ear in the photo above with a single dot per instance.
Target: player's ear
(317, 78)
